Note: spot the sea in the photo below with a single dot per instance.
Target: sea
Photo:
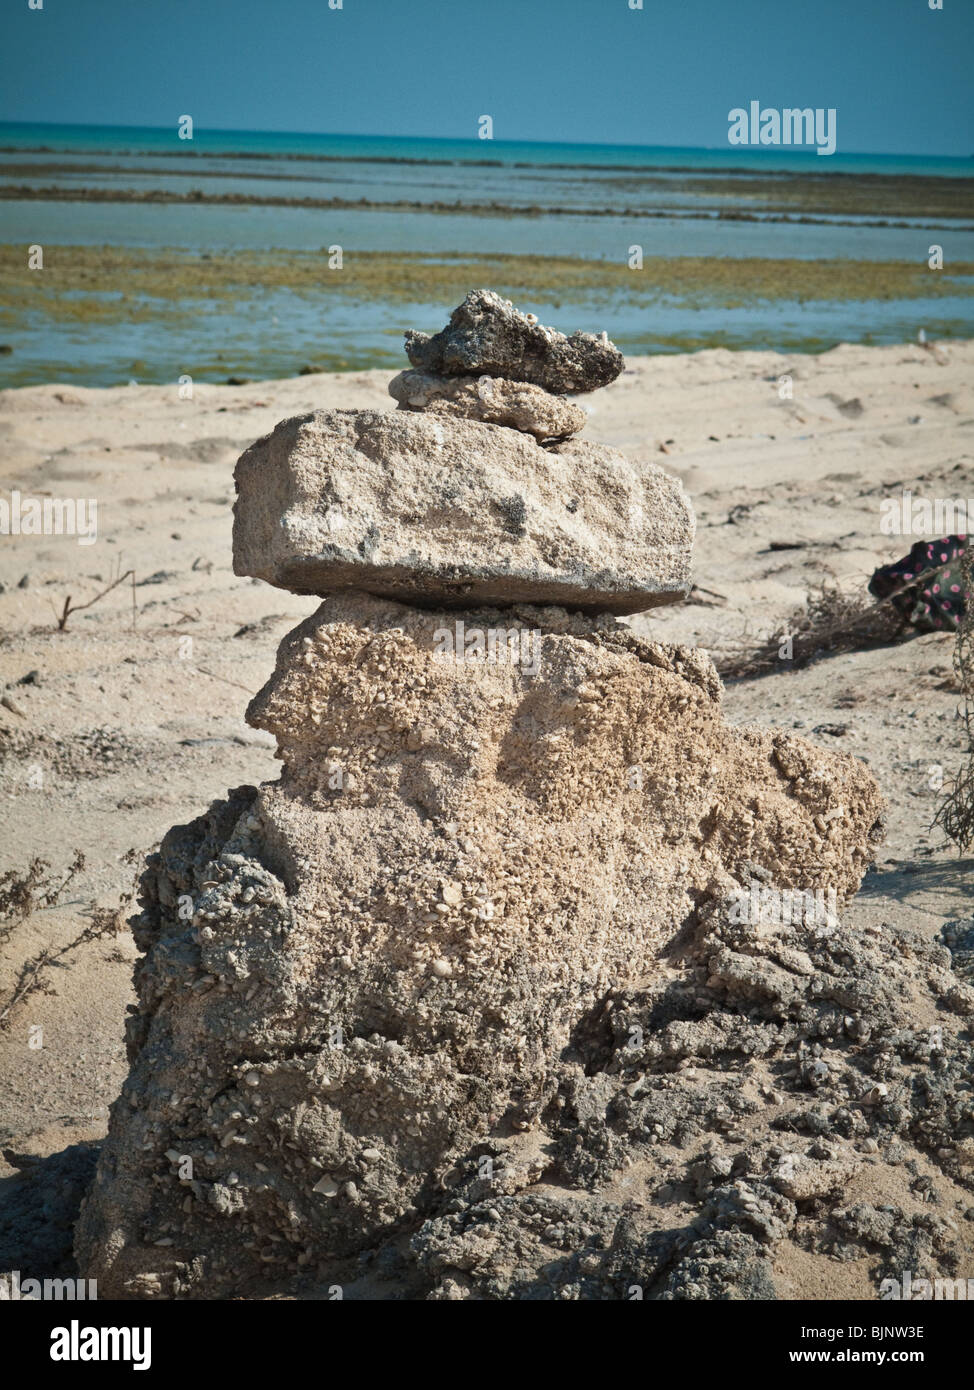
(247, 191)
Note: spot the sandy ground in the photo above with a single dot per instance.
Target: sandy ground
(127, 727)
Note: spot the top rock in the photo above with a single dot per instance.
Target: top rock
(487, 335)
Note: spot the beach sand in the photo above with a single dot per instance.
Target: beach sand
(127, 728)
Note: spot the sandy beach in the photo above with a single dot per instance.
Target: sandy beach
(131, 720)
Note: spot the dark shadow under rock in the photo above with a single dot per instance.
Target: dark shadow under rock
(39, 1207)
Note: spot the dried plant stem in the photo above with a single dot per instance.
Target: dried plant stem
(69, 607)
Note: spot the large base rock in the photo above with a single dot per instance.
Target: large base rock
(363, 984)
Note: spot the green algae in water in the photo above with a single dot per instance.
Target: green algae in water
(84, 282)
(272, 313)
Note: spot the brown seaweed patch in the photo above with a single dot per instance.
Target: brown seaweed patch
(81, 284)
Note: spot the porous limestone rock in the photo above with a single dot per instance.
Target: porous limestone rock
(486, 334)
(516, 404)
(432, 510)
(371, 989)
(523, 924)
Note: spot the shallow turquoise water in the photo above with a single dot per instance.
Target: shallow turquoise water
(510, 152)
(275, 333)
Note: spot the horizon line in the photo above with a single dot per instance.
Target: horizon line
(456, 139)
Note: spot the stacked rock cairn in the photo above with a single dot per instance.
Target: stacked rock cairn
(365, 987)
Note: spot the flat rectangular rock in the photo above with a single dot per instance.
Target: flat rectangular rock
(434, 510)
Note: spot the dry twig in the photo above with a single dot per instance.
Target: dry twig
(69, 607)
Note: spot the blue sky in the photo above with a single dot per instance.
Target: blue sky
(898, 73)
